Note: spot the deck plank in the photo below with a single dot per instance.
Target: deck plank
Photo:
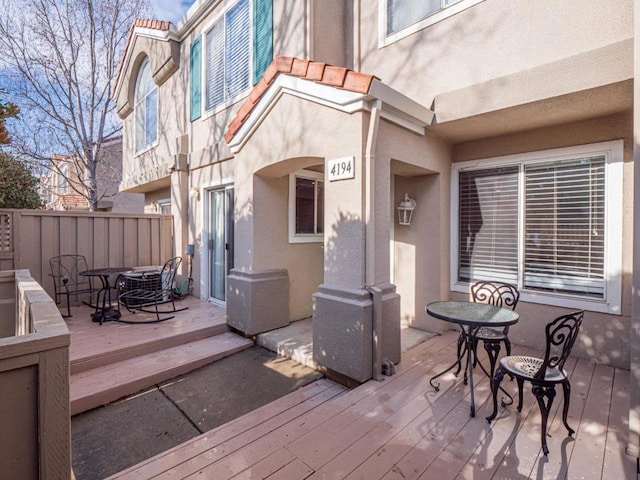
(267, 466)
(616, 459)
(591, 435)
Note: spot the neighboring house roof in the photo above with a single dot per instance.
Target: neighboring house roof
(142, 23)
(318, 72)
(73, 201)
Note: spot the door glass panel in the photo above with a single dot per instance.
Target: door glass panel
(217, 268)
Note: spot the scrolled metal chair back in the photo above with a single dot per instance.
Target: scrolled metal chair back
(499, 294)
(561, 335)
(66, 268)
(169, 273)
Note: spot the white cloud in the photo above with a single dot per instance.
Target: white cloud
(170, 9)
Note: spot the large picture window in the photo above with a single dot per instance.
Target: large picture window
(146, 108)
(548, 222)
(306, 207)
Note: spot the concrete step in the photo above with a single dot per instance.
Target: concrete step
(99, 386)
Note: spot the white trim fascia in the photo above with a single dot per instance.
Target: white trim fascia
(397, 108)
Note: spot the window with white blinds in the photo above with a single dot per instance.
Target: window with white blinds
(489, 225)
(564, 226)
(548, 223)
(228, 51)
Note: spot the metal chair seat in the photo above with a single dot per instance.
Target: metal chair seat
(527, 367)
(490, 334)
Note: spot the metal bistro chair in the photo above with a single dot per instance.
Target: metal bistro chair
(499, 294)
(543, 373)
(146, 292)
(67, 281)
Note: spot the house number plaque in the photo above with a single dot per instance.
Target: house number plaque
(342, 168)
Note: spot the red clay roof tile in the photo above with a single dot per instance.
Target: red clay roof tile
(334, 75)
(319, 72)
(315, 71)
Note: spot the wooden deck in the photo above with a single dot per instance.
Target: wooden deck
(93, 344)
(113, 360)
(400, 428)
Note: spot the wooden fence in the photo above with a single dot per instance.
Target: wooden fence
(35, 438)
(29, 238)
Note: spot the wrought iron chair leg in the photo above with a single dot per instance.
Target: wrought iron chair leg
(541, 393)
(493, 349)
(495, 386)
(566, 390)
(474, 348)
(459, 350)
(520, 388)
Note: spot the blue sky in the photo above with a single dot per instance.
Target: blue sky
(171, 10)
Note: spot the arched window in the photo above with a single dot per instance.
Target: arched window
(146, 108)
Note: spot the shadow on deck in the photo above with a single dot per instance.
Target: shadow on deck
(401, 428)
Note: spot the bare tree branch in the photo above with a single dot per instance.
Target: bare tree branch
(60, 58)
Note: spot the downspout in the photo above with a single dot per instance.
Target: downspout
(633, 446)
(370, 251)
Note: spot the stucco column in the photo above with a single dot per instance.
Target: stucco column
(258, 285)
(356, 258)
(634, 337)
(180, 204)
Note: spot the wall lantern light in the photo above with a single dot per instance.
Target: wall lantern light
(405, 210)
(194, 193)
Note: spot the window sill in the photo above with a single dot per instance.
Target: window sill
(306, 239)
(611, 307)
(146, 149)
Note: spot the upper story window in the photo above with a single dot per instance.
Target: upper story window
(238, 47)
(548, 222)
(228, 50)
(306, 206)
(146, 108)
(400, 18)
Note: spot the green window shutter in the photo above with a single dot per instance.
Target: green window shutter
(196, 80)
(262, 37)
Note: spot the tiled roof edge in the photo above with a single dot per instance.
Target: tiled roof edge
(318, 72)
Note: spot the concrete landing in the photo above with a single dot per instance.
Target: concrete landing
(295, 341)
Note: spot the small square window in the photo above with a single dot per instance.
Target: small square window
(306, 205)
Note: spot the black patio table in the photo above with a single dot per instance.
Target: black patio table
(105, 312)
(471, 316)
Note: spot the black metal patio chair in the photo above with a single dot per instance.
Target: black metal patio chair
(67, 281)
(499, 294)
(145, 292)
(543, 373)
